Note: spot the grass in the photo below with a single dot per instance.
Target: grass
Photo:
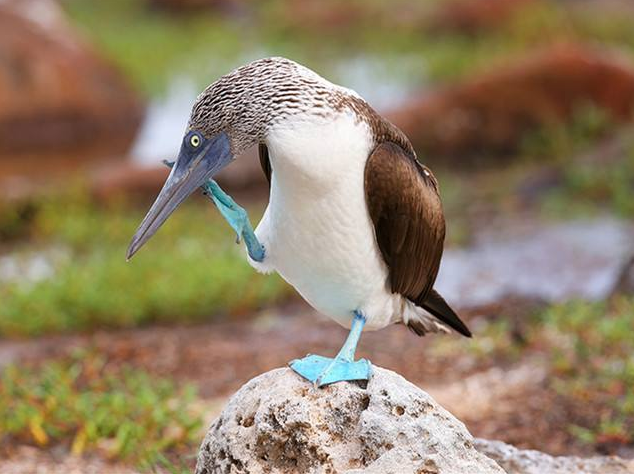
(579, 180)
(190, 271)
(593, 365)
(590, 186)
(117, 412)
(557, 142)
(588, 349)
(152, 46)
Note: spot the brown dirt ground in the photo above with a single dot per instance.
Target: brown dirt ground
(497, 399)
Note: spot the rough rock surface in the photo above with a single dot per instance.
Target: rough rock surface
(279, 423)
(518, 461)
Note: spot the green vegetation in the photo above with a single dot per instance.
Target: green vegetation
(153, 46)
(598, 179)
(593, 365)
(593, 181)
(119, 412)
(190, 271)
(588, 348)
(558, 141)
(592, 185)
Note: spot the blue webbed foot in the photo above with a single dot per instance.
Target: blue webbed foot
(324, 370)
(237, 218)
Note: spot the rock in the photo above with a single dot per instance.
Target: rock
(182, 5)
(518, 461)
(126, 180)
(279, 423)
(113, 181)
(472, 16)
(312, 16)
(188, 6)
(489, 116)
(625, 283)
(57, 94)
(577, 259)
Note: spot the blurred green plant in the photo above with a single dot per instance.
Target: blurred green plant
(559, 141)
(588, 348)
(153, 46)
(14, 220)
(190, 271)
(119, 412)
(593, 365)
(595, 185)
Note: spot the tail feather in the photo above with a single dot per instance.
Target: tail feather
(437, 306)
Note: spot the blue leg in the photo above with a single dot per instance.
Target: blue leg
(235, 215)
(324, 370)
(237, 218)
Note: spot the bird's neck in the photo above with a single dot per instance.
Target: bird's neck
(314, 152)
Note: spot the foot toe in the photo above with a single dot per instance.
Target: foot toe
(324, 371)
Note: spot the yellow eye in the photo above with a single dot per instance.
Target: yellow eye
(195, 141)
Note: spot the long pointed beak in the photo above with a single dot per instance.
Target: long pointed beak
(186, 176)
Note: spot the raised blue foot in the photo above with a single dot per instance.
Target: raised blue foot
(324, 370)
(237, 218)
(235, 215)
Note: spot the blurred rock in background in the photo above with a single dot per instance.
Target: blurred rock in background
(188, 6)
(58, 95)
(473, 16)
(490, 115)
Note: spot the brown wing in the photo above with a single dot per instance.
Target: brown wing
(265, 162)
(404, 205)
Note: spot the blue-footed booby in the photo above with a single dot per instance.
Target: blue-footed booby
(354, 221)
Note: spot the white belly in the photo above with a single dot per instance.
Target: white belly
(325, 249)
(317, 231)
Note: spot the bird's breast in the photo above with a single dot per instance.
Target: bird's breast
(317, 229)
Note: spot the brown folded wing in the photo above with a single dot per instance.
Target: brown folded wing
(265, 161)
(404, 205)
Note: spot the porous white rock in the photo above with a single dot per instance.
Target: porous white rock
(279, 423)
(528, 461)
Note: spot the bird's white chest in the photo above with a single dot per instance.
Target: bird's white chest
(317, 231)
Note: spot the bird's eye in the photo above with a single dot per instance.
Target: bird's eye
(194, 141)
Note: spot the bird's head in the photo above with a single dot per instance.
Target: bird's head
(217, 132)
(229, 116)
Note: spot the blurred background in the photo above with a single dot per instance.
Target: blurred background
(523, 109)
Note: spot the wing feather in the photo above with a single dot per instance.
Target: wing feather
(405, 207)
(265, 161)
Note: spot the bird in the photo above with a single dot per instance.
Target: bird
(354, 220)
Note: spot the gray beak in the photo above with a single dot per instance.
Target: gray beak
(194, 166)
